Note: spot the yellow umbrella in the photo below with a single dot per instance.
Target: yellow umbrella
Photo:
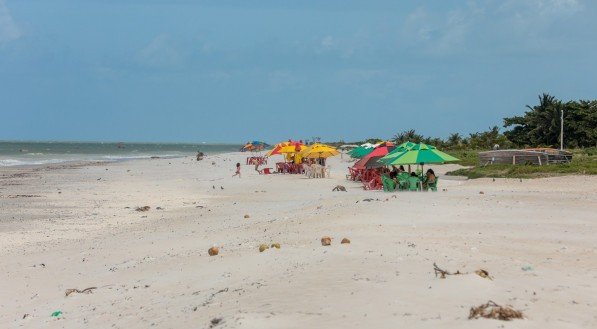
(286, 148)
(319, 151)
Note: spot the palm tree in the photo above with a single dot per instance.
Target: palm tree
(408, 135)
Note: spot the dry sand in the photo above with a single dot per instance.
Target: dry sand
(65, 227)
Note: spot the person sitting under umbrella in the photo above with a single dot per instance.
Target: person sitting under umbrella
(429, 178)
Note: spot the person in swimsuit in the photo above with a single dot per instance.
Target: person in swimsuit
(237, 170)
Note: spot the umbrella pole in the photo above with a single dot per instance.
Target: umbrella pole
(421, 178)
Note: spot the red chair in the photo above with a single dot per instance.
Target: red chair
(280, 167)
(374, 184)
(353, 173)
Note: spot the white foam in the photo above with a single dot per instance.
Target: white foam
(31, 160)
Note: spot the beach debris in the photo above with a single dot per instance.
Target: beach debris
(214, 322)
(221, 187)
(443, 273)
(213, 187)
(368, 200)
(247, 216)
(345, 241)
(40, 265)
(213, 163)
(339, 188)
(275, 245)
(213, 251)
(491, 310)
(56, 314)
(16, 196)
(326, 241)
(527, 268)
(213, 295)
(484, 274)
(263, 247)
(26, 315)
(142, 209)
(481, 192)
(75, 290)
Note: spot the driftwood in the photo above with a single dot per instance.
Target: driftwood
(84, 291)
(443, 273)
(491, 310)
(142, 209)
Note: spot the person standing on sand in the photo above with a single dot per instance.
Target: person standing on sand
(256, 163)
(237, 170)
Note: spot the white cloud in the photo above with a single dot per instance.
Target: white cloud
(327, 42)
(280, 80)
(160, 52)
(9, 30)
(441, 33)
(541, 8)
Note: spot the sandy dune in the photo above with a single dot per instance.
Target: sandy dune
(76, 227)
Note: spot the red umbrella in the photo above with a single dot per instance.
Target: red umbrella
(370, 160)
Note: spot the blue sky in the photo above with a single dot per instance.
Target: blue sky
(231, 71)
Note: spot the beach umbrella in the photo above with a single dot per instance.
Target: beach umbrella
(319, 151)
(399, 149)
(255, 146)
(371, 160)
(286, 148)
(419, 154)
(362, 151)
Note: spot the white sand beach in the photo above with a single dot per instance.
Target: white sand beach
(65, 227)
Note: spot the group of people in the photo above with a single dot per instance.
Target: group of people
(310, 161)
(428, 180)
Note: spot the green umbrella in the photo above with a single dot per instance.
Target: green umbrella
(398, 150)
(361, 151)
(419, 154)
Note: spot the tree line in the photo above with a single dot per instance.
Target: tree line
(539, 126)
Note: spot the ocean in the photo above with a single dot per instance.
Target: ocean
(39, 153)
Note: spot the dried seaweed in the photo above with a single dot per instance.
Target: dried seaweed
(491, 310)
(443, 273)
(84, 291)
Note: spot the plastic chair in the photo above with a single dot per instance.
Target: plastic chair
(388, 184)
(433, 186)
(413, 183)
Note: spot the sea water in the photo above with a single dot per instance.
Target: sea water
(39, 153)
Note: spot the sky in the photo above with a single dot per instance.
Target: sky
(232, 71)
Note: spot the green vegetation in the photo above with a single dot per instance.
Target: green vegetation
(539, 126)
(467, 157)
